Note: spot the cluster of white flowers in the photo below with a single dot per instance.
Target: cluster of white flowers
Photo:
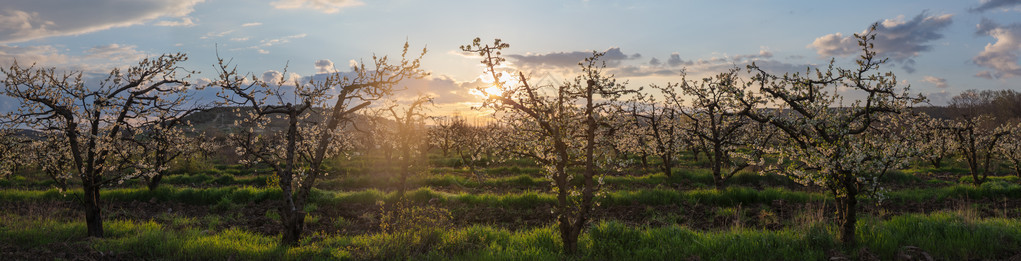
(560, 126)
(91, 131)
(845, 147)
(1010, 147)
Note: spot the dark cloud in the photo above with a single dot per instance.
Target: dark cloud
(908, 65)
(987, 5)
(762, 54)
(23, 20)
(612, 56)
(1002, 55)
(641, 71)
(708, 66)
(983, 28)
(897, 39)
(675, 60)
(655, 62)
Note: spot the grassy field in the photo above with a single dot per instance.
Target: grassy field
(219, 212)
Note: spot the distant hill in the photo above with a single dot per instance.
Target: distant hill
(222, 119)
(29, 134)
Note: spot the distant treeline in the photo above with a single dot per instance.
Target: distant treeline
(1003, 105)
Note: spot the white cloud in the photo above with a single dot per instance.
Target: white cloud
(274, 78)
(271, 76)
(216, 34)
(45, 55)
(184, 22)
(95, 60)
(239, 39)
(201, 83)
(23, 20)
(938, 82)
(115, 52)
(282, 40)
(444, 89)
(898, 39)
(325, 6)
(1002, 55)
(835, 44)
(261, 47)
(251, 24)
(325, 66)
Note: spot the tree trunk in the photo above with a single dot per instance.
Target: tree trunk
(93, 214)
(936, 162)
(290, 211)
(849, 218)
(563, 218)
(294, 225)
(645, 162)
(668, 165)
(976, 179)
(154, 182)
(569, 238)
(717, 162)
(407, 161)
(588, 185)
(563, 208)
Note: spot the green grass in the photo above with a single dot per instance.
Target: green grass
(901, 177)
(614, 241)
(20, 232)
(945, 236)
(231, 197)
(945, 169)
(967, 179)
(730, 196)
(194, 196)
(218, 180)
(446, 177)
(529, 199)
(992, 190)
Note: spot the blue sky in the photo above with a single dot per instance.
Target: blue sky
(938, 47)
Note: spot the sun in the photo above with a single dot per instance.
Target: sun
(491, 87)
(486, 92)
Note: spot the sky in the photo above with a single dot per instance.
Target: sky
(938, 48)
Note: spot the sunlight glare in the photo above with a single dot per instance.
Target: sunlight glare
(491, 87)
